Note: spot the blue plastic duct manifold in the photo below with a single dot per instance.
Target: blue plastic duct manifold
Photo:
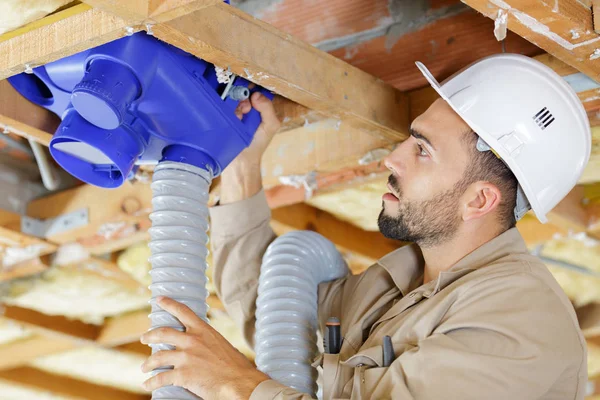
(138, 101)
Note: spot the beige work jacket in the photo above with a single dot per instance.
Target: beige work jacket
(494, 326)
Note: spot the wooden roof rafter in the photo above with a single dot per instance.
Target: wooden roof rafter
(564, 28)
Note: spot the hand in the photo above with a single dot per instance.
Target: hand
(204, 362)
(242, 178)
(265, 131)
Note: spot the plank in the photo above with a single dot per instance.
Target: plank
(287, 194)
(321, 147)
(589, 319)
(23, 117)
(115, 216)
(17, 247)
(61, 385)
(304, 217)
(56, 36)
(150, 11)
(107, 270)
(124, 329)
(127, 328)
(289, 67)
(52, 325)
(21, 352)
(26, 268)
(135, 10)
(562, 28)
(570, 213)
(535, 233)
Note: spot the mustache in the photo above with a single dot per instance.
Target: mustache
(393, 182)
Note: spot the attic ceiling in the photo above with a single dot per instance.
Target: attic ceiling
(72, 320)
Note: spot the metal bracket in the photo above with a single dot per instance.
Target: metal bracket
(53, 226)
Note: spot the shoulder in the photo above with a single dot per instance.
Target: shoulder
(519, 294)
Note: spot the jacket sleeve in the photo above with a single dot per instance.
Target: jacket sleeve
(240, 234)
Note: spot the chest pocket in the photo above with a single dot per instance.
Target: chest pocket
(347, 379)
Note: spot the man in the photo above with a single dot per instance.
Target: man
(471, 314)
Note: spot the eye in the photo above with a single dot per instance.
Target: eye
(422, 151)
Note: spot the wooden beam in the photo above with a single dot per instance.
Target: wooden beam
(61, 385)
(25, 268)
(589, 319)
(289, 67)
(24, 118)
(535, 233)
(287, 194)
(150, 11)
(23, 351)
(293, 115)
(129, 327)
(570, 213)
(347, 236)
(124, 329)
(116, 217)
(17, 247)
(107, 270)
(56, 36)
(323, 147)
(563, 28)
(52, 325)
(134, 10)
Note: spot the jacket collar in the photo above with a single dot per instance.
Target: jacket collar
(405, 265)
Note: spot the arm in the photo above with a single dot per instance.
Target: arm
(240, 231)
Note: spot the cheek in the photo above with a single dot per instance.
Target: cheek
(415, 188)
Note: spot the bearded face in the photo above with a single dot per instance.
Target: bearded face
(428, 222)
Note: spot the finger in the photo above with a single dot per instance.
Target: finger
(159, 380)
(164, 358)
(180, 311)
(267, 112)
(243, 107)
(166, 335)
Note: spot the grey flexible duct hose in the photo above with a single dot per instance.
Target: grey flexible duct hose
(178, 246)
(286, 307)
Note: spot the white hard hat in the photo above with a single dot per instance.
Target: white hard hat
(530, 117)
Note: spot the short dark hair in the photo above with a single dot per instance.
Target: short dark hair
(485, 166)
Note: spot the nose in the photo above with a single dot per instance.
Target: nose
(393, 161)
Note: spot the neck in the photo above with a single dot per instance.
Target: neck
(443, 256)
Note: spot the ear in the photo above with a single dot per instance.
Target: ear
(480, 199)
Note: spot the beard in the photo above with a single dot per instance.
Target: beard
(427, 223)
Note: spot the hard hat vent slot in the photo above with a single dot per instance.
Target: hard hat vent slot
(544, 118)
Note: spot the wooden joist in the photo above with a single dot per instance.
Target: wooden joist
(228, 37)
(23, 351)
(26, 268)
(372, 245)
(56, 36)
(250, 48)
(107, 270)
(563, 28)
(117, 218)
(62, 385)
(20, 253)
